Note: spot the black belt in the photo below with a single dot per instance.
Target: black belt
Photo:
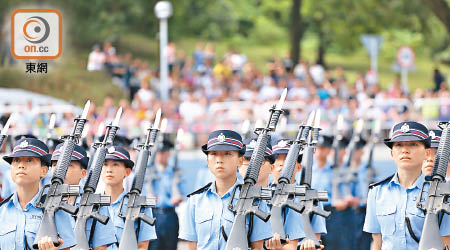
(163, 210)
(328, 208)
(361, 210)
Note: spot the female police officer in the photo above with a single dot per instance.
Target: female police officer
(392, 216)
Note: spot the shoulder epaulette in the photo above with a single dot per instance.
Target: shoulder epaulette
(200, 190)
(6, 200)
(381, 182)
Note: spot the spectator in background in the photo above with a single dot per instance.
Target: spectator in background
(96, 59)
(144, 94)
(199, 55)
(438, 79)
(317, 72)
(171, 53)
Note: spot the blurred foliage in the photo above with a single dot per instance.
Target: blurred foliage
(254, 21)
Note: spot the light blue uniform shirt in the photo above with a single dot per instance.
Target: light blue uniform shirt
(99, 238)
(162, 187)
(207, 212)
(146, 231)
(388, 205)
(321, 180)
(204, 176)
(16, 223)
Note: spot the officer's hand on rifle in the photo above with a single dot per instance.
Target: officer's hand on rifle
(309, 245)
(340, 205)
(176, 200)
(46, 243)
(275, 242)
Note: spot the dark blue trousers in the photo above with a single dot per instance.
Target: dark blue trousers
(339, 230)
(166, 229)
(362, 239)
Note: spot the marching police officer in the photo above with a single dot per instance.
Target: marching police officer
(116, 168)
(207, 220)
(75, 172)
(166, 218)
(19, 216)
(392, 216)
(292, 225)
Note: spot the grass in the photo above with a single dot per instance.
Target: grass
(68, 79)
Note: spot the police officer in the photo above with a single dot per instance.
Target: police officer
(19, 216)
(116, 168)
(207, 218)
(292, 227)
(166, 218)
(359, 191)
(392, 216)
(77, 171)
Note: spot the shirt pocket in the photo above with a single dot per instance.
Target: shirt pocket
(203, 223)
(7, 236)
(386, 218)
(118, 226)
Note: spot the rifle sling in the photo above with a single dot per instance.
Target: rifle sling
(250, 229)
(408, 225)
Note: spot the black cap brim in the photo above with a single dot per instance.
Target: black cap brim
(128, 163)
(281, 152)
(222, 147)
(405, 138)
(83, 161)
(25, 153)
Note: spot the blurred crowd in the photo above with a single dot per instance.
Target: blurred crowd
(210, 91)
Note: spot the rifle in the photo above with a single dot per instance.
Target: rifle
(177, 172)
(337, 174)
(90, 201)
(370, 171)
(310, 198)
(92, 150)
(285, 193)
(55, 199)
(136, 202)
(3, 135)
(438, 194)
(151, 175)
(250, 195)
(348, 171)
